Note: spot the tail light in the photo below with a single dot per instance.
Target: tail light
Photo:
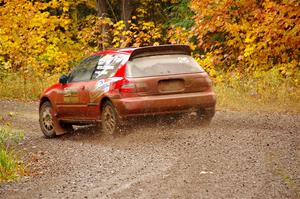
(125, 86)
(128, 87)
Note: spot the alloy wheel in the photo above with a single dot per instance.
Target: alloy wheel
(109, 119)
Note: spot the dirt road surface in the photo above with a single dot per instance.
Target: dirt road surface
(241, 155)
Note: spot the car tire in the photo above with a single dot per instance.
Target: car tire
(46, 120)
(109, 119)
(205, 116)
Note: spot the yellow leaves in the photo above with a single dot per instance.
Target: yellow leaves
(58, 4)
(249, 50)
(143, 33)
(179, 35)
(286, 68)
(119, 33)
(54, 4)
(141, 12)
(250, 39)
(207, 62)
(33, 39)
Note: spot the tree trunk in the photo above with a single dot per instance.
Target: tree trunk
(102, 8)
(102, 11)
(127, 8)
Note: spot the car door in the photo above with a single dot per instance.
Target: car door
(75, 92)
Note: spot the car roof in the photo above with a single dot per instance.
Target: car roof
(133, 51)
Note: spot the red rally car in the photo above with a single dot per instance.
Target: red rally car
(115, 85)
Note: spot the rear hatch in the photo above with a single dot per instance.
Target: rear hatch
(166, 74)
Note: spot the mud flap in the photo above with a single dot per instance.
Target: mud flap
(57, 127)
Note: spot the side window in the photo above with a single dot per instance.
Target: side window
(107, 66)
(84, 71)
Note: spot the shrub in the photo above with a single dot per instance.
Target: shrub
(10, 167)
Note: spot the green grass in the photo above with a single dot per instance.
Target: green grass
(10, 166)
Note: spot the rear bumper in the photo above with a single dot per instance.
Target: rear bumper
(164, 104)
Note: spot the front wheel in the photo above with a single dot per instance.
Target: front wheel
(49, 125)
(109, 119)
(46, 120)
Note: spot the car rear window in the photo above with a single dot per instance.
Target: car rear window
(162, 65)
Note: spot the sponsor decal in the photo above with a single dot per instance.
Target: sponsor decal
(109, 67)
(102, 85)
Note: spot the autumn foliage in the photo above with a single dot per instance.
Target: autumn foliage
(33, 40)
(250, 35)
(236, 41)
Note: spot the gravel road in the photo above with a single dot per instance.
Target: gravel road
(241, 155)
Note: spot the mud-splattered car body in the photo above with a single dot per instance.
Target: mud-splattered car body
(134, 82)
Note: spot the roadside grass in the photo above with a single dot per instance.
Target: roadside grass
(263, 91)
(243, 97)
(11, 168)
(18, 87)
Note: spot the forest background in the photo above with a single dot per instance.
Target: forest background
(251, 49)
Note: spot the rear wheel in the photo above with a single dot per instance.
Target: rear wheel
(109, 119)
(205, 115)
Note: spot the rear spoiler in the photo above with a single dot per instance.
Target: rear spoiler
(160, 50)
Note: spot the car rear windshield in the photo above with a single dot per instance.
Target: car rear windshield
(162, 65)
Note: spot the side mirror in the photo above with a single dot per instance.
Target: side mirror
(63, 79)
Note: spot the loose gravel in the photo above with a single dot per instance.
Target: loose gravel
(240, 155)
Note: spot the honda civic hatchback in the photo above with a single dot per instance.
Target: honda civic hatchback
(113, 86)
